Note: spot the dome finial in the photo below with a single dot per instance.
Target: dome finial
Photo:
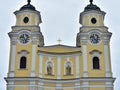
(29, 1)
(91, 1)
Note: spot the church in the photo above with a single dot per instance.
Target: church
(36, 66)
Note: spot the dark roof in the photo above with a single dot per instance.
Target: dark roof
(91, 6)
(28, 7)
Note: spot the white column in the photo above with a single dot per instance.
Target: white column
(40, 86)
(109, 86)
(58, 86)
(107, 58)
(85, 65)
(33, 57)
(77, 86)
(12, 60)
(58, 68)
(40, 65)
(85, 85)
(32, 85)
(10, 86)
(77, 67)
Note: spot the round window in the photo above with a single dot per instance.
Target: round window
(26, 20)
(93, 20)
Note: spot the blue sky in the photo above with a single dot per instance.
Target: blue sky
(62, 18)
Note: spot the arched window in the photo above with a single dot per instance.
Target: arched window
(68, 68)
(23, 62)
(96, 64)
(49, 68)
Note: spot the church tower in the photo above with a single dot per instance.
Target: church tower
(34, 66)
(94, 40)
(25, 38)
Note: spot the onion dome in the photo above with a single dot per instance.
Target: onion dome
(91, 6)
(28, 7)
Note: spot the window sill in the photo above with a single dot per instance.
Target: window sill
(23, 69)
(96, 69)
(69, 75)
(49, 75)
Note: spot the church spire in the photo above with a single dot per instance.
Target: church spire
(29, 1)
(91, 1)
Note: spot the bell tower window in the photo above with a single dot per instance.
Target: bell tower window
(93, 20)
(23, 62)
(23, 59)
(96, 64)
(26, 20)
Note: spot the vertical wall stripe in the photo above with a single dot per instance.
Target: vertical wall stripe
(40, 65)
(77, 67)
(107, 66)
(11, 74)
(85, 66)
(58, 68)
(33, 59)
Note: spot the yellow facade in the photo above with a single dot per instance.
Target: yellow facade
(86, 66)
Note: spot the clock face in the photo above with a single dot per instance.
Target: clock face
(94, 38)
(24, 38)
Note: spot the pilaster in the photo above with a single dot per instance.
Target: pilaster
(107, 58)
(58, 68)
(34, 41)
(85, 66)
(77, 86)
(32, 85)
(40, 65)
(58, 86)
(109, 86)
(77, 67)
(10, 86)
(13, 54)
(40, 86)
(85, 85)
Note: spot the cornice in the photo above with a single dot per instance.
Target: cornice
(61, 81)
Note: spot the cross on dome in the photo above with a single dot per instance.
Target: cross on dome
(91, 1)
(29, 1)
(59, 40)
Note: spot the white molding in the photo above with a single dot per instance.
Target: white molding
(40, 86)
(65, 87)
(77, 86)
(58, 86)
(10, 86)
(85, 66)
(12, 63)
(60, 55)
(87, 79)
(32, 85)
(33, 60)
(107, 63)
